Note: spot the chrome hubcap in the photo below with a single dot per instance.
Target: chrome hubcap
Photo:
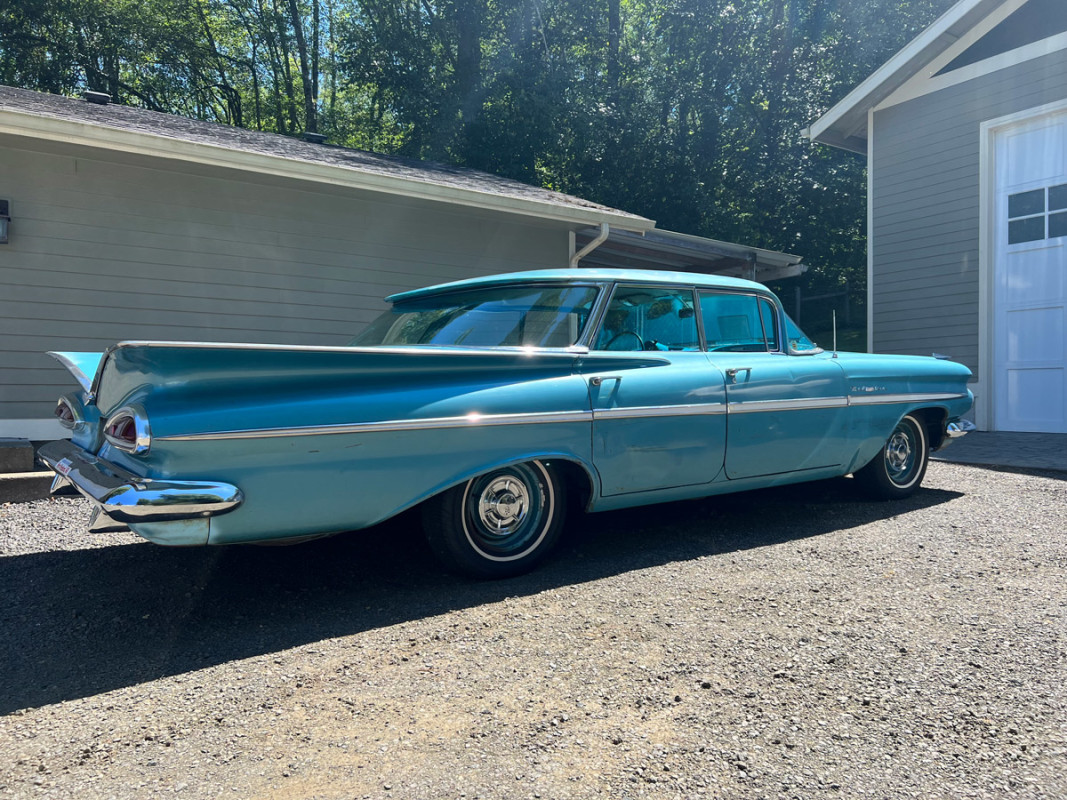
(898, 453)
(503, 505)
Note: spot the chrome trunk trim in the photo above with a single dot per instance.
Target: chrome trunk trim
(85, 381)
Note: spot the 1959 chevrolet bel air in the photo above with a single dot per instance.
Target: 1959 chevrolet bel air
(491, 403)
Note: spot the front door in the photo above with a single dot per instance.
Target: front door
(786, 412)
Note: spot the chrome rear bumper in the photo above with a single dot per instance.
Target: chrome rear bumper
(125, 497)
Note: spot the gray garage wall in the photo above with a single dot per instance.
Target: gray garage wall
(925, 206)
(106, 247)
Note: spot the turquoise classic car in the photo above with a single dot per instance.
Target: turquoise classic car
(495, 404)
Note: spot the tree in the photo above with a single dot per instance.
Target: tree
(686, 111)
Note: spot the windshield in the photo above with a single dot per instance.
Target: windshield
(498, 316)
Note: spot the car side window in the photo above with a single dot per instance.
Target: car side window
(741, 323)
(649, 318)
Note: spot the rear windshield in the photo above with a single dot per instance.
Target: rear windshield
(501, 316)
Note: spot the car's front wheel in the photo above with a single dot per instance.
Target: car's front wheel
(499, 524)
(898, 469)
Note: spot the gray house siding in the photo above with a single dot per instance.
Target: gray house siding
(925, 207)
(106, 247)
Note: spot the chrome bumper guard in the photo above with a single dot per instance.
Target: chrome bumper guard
(125, 497)
(955, 430)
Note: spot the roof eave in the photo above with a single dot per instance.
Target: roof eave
(845, 125)
(116, 139)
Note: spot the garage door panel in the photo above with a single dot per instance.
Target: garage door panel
(1035, 335)
(1035, 153)
(1035, 398)
(1033, 274)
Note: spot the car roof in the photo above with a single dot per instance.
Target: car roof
(586, 275)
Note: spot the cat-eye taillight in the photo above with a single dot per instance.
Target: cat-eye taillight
(127, 429)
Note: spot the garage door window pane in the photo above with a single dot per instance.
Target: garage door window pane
(1057, 225)
(1025, 203)
(1057, 197)
(1030, 229)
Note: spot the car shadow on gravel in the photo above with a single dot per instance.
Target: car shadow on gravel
(77, 623)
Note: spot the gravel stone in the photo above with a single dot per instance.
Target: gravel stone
(779, 644)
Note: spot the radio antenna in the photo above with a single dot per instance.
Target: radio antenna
(835, 332)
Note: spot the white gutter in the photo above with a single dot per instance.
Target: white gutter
(589, 248)
(37, 126)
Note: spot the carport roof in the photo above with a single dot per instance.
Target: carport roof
(137, 130)
(679, 252)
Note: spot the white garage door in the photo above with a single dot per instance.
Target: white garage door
(1030, 351)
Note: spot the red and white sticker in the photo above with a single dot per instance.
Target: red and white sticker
(63, 467)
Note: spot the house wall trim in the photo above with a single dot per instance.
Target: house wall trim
(870, 230)
(923, 85)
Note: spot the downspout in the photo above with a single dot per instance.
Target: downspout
(589, 248)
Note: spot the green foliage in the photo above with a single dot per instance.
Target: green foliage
(686, 111)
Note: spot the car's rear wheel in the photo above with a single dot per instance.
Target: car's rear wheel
(499, 524)
(898, 469)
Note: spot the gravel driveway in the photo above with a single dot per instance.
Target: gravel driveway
(787, 643)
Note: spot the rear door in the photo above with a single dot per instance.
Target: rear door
(659, 407)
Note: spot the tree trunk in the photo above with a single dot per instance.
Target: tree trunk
(614, 27)
(306, 81)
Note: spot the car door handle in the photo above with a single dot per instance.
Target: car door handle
(732, 372)
(596, 380)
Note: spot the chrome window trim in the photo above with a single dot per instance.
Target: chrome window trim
(600, 306)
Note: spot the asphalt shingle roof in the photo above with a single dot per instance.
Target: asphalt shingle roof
(139, 120)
